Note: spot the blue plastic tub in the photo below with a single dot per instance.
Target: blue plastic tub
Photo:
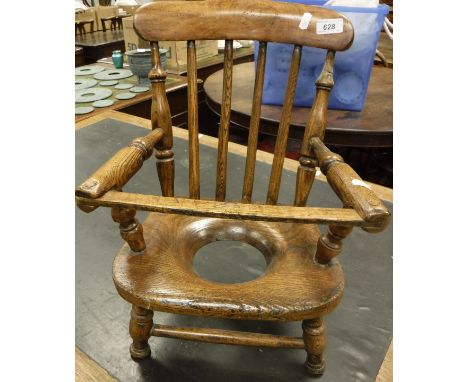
(352, 68)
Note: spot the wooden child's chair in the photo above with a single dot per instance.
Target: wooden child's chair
(304, 280)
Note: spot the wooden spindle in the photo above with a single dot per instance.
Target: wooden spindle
(130, 228)
(228, 337)
(223, 134)
(331, 243)
(304, 179)
(254, 124)
(317, 120)
(192, 95)
(316, 125)
(161, 118)
(283, 129)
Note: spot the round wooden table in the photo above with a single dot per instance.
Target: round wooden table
(371, 127)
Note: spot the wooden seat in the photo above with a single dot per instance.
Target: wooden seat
(303, 280)
(294, 287)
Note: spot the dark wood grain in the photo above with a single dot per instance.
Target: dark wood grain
(99, 38)
(100, 44)
(79, 56)
(372, 127)
(260, 20)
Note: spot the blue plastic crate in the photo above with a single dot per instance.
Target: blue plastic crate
(352, 68)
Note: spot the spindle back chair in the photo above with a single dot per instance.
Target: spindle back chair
(154, 272)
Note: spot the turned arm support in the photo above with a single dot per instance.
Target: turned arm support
(118, 170)
(350, 188)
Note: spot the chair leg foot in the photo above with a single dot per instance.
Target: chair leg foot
(141, 322)
(139, 354)
(315, 369)
(314, 339)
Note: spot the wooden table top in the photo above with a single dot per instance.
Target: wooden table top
(372, 127)
(173, 83)
(99, 38)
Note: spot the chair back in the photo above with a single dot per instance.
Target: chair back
(262, 20)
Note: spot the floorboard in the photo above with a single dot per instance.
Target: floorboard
(87, 370)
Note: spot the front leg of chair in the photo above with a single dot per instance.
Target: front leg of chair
(141, 323)
(314, 340)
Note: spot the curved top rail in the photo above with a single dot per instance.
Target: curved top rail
(261, 20)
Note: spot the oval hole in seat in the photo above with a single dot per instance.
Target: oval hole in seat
(229, 262)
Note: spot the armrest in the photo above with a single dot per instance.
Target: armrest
(118, 170)
(226, 210)
(350, 188)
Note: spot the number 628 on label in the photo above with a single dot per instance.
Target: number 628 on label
(329, 26)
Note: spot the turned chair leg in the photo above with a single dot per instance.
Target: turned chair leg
(141, 323)
(314, 339)
(130, 228)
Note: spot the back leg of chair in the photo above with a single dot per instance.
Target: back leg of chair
(313, 332)
(141, 323)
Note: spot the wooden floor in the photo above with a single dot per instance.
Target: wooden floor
(86, 370)
(386, 370)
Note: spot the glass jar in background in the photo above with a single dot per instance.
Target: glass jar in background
(117, 59)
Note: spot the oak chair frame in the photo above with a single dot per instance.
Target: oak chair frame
(264, 21)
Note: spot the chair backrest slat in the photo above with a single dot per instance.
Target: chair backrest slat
(254, 124)
(283, 129)
(192, 96)
(223, 133)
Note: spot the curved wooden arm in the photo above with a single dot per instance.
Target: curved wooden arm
(118, 170)
(350, 188)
